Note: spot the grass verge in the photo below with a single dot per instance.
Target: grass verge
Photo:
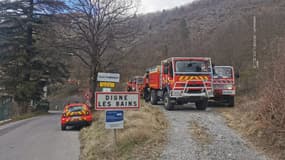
(28, 115)
(143, 136)
(24, 116)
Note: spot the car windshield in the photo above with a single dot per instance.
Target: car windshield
(223, 72)
(192, 66)
(75, 108)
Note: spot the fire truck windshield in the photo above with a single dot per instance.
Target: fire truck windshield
(185, 66)
(223, 72)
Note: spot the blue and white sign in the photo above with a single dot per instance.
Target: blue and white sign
(114, 119)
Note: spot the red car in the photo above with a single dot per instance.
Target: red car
(76, 114)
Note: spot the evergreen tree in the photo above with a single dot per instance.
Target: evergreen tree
(26, 66)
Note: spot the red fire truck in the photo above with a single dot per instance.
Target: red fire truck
(224, 84)
(130, 85)
(180, 80)
(136, 84)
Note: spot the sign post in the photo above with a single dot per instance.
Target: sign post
(114, 120)
(107, 80)
(114, 103)
(115, 139)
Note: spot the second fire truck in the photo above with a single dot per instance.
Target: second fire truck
(224, 84)
(180, 80)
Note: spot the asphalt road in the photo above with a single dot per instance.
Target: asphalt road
(38, 138)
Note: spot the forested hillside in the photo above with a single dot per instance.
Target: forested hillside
(221, 29)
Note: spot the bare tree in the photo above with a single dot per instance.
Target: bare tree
(98, 32)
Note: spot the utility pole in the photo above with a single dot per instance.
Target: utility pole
(254, 57)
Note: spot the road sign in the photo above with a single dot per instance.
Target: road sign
(117, 100)
(108, 77)
(114, 120)
(106, 89)
(107, 85)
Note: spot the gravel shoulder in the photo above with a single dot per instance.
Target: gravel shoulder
(204, 135)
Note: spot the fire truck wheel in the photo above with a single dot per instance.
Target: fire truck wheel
(231, 101)
(153, 97)
(202, 105)
(167, 104)
(146, 95)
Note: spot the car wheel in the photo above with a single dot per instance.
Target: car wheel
(63, 127)
(146, 95)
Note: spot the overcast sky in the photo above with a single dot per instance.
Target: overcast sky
(158, 5)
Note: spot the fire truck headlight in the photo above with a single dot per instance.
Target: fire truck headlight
(228, 86)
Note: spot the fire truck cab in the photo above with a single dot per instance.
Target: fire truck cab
(180, 80)
(129, 85)
(136, 84)
(139, 84)
(224, 85)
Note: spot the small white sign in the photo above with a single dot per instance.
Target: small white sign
(229, 92)
(106, 89)
(117, 100)
(114, 125)
(108, 77)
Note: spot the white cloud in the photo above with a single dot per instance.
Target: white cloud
(158, 5)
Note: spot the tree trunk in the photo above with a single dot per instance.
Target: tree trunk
(92, 88)
(30, 27)
(93, 84)
(23, 107)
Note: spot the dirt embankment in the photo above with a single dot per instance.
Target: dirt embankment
(245, 118)
(143, 136)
